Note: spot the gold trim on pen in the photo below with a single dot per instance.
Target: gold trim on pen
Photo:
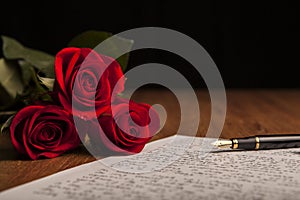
(235, 144)
(256, 142)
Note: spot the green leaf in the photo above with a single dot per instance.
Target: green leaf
(5, 127)
(26, 71)
(44, 62)
(6, 99)
(48, 82)
(40, 92)
(38, 86)
(11, 78)
(90, 39)
(7, 113)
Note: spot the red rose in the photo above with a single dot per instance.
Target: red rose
(84, 80)
(43, 131)
(132, 137)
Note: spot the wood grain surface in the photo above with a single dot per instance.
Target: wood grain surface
(249, 112)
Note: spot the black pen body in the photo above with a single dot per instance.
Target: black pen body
(267, 142)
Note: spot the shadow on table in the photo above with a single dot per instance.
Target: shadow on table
(9, 154)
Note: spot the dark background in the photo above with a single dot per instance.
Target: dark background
(253, 44)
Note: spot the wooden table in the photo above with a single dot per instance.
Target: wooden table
(249, 112)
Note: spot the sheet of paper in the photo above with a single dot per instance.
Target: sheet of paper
(272, 174)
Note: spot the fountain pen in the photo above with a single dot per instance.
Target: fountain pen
(260, 142)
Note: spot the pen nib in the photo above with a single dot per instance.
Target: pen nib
(223, 143)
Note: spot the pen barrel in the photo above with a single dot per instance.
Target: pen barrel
(267, 142)
(245, 143)
(279, 142)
